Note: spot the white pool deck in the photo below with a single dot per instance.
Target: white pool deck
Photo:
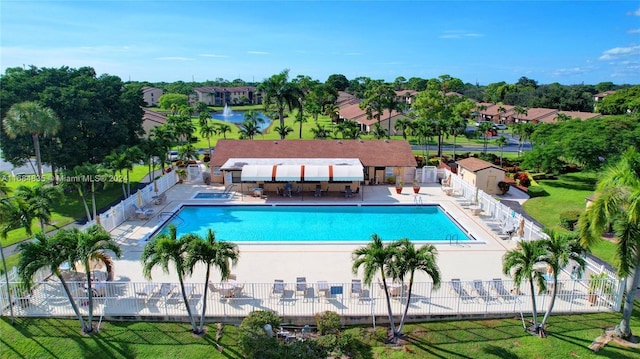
(316, 262)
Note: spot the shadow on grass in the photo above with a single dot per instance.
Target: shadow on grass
(577, 186)
(499, 352)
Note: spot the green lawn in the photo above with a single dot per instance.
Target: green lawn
(568, 336)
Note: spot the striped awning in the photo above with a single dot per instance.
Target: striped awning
(316, 173)
(252, 173)
(347, 173)
(288, 173)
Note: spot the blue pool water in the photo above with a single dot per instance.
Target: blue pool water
(344, 224)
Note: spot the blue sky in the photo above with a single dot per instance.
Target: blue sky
(569, 42)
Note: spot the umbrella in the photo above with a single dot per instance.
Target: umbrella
(521, 228)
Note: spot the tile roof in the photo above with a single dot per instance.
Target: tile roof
(207, 89)
(152, 116)
(355, 113)
(552, 118)
(383, 153)
(475, 164)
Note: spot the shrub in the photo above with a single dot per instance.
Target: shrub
(252, 337)
(569, 219)
(328, 322)
(524, 180)
(503, 186)
(536, 191)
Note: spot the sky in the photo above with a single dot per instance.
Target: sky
(569, 42)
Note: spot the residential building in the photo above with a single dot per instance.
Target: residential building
(221, 96)
(151, 120)
(151, 95)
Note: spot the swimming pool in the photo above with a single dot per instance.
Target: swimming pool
(318, 224)
(211, 195)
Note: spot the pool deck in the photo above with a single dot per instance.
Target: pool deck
(319, 262)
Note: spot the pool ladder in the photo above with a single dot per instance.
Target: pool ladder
(417, 200)
(171, 215)
(451, 238)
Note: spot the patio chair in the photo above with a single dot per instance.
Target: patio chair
(143, 213)
(278, 288)
(365, 296)
(478, 287)
(298, 189)
(456, 287)
(318, 191)
(501, 291)
(347, 192)
(356, 287)
(309, 295)
(288, 297)
(301, 284)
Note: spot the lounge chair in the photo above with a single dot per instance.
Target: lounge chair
(356, 287)
(309, 294)
(143, 213)
(278, 288)
(478, 287)
(365, 296)
(288, 297)
(301, 284)
(323, 288)
(501, 291)
(456, 286)
(318, 192)
(298, 189)
(288, 189)
(347, 192)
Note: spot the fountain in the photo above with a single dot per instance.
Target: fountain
(227, 111)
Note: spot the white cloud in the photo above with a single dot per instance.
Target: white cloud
(620, 52)
(634, 13)
(633, 31)
(257, 53)
(173, 58)
(214, 55)
(459, 34)
(573, 70)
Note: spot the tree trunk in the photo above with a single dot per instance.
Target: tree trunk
(72, 301)
(281, 117)
(6, 278)
(553, 301)
(623, 330)
(186, 303)
(36, 145)
(533, 303)
(84, 201)
(406, 308)
(89, 292)
(386, 293)
(204, 300)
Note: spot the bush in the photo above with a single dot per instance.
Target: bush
(434, 162)
(536, 191)
(328, 322)
(523, 178)
(252, 338)
(569, 219)
(503, 186)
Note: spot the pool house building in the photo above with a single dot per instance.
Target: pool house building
(328, 165)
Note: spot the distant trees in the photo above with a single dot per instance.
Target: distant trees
(621, 102)
(168, 100)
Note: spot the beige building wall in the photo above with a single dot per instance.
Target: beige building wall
(486, 179)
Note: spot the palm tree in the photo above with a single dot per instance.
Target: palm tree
(13, 214)
(34, 119)
(379, 132)
(616, 207)
(77, 173)
(248, 129)
(519, 263)
(457, 127)
(561, 248)
(163, 251)
(39, 200)
(403, 125)
(50, 253)
(211, 253)
(117, 161)
(319, 132)
(134, 155)
(484, 128)
(391, 103)
(90, 246)
(283, 131)
(280, 93)
(301, 118)
(408, 260)
(333, 111)
(375, 257)
(223, 128)
(501, 142)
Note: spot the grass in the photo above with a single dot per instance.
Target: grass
(568, 336)
(567, 193)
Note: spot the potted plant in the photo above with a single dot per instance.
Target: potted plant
(416, 186)
(182, 174)
(598, 286)
(399, 186)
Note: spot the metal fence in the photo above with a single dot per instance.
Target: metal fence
(230, 300)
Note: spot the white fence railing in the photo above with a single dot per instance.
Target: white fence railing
(509, 221)
(144, 299)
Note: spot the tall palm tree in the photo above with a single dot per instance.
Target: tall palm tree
(333, 111)
(375, 257)
(519, 263)
(561, 249)
(40, 199)
(501, 142)
(14, 214)
(408, 260)
(212, 253)
(403, 125)
(79, 185)
(163, 251)
(117, 161)
(134, 155)
(458, 126)
(484, 128)
(280, 93)
(617, 207)
(301, 118)
(91, 245)
(50, 253)
(34, 119)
